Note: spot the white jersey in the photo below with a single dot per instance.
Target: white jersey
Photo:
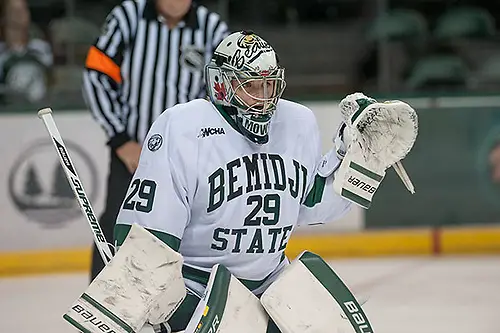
(203, 185)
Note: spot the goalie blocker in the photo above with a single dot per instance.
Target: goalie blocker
(142, 283)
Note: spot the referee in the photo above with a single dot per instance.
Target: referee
(150, 56)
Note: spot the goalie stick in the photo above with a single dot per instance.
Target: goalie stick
(76, 184)
(400, 170)
(104, 248)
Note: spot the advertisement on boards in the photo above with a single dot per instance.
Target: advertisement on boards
(38, 209)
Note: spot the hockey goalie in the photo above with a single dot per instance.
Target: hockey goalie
(221, 185)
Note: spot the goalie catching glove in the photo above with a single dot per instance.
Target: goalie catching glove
(372, 137)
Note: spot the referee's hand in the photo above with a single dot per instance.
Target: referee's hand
(129, 154)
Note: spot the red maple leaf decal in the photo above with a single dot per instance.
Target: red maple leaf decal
(220, 91)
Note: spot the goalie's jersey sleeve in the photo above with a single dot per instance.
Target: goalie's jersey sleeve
(322, 204)
(158, 195)
(217, 198)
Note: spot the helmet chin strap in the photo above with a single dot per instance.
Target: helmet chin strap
(230, 110)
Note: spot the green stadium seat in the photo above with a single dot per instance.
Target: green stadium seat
(489, 71)
(465, 22)
(438, 71)
(398, 25)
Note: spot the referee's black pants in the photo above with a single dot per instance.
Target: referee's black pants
(118, 180)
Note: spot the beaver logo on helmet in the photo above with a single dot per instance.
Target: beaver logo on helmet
(246, 41)
(253, 46)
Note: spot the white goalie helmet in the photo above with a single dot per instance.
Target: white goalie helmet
(245, 81)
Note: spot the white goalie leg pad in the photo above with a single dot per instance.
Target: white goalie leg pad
(308, 297)
(228, 306)
(143, 274)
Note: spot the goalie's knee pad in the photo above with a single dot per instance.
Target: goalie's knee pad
(143, 282)
(309, 294)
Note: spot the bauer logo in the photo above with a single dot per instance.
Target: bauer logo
(90, 319)
(357, 318)
(361, 184)
(64, 156)
(39, 188)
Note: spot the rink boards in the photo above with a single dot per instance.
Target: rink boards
(411, 242)
(42, 229)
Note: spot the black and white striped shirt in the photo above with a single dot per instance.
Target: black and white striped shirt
(139, 67)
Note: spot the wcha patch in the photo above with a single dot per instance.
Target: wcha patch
(155, 142)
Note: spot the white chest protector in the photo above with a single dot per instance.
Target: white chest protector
(229, 201)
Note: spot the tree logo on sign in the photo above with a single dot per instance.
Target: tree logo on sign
(39, 189)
